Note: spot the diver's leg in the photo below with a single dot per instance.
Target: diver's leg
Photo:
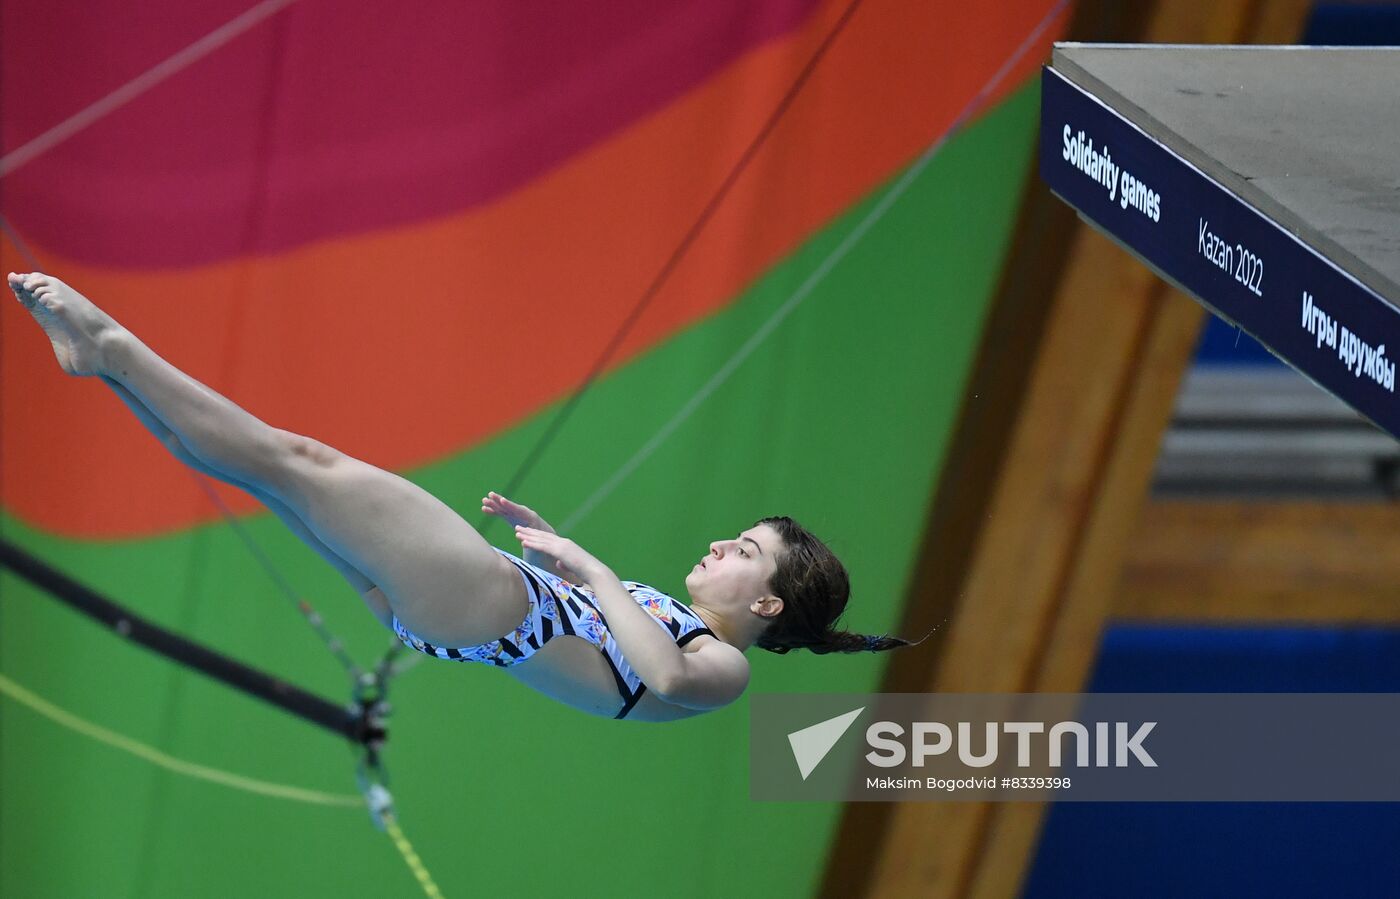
(372, 595)
(441, 578)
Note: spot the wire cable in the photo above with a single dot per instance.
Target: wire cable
(415, 864)
(551, 432)
(810, 283)
(170, 763)
(313, 618)
(137, 86)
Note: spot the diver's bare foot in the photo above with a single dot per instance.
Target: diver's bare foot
(77, 329)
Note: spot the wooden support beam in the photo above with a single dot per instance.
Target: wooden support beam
(1073, 387)
(1050, 543)
(1300, 562)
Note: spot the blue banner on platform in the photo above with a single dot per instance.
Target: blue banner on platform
(1237, 261)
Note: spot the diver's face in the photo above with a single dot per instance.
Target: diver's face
(736, 572)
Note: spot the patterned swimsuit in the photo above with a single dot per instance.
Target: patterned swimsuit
(558, 607)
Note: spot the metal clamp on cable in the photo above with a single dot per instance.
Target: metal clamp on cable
(381, 804)
(374, 786)
(373, 708)
(372, 705)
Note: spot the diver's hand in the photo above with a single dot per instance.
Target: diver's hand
(571, 560)
(514, 513)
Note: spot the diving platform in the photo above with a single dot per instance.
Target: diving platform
(1264, 181)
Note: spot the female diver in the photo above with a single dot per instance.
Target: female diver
(431, 578)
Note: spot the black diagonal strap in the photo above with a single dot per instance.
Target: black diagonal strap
(182, 650)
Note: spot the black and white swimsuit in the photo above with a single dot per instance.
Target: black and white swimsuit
(559, 607)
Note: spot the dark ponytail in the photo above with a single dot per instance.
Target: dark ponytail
(814, 587)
